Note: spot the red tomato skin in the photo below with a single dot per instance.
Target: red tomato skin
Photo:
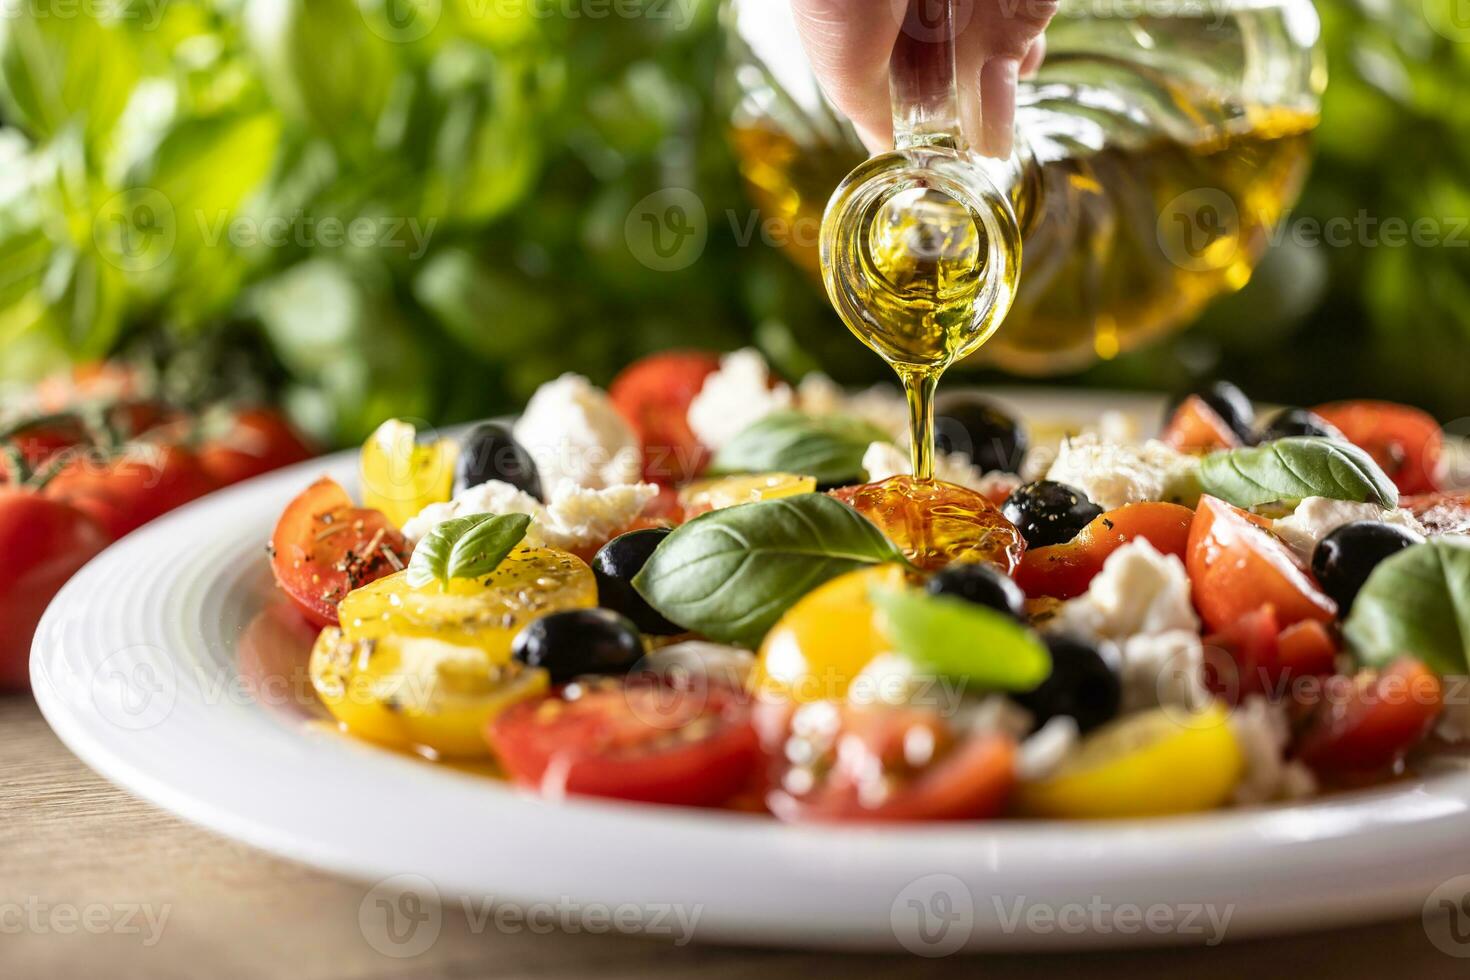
(1063, 571)
(653, 395)
(44, 542)
(973, 780)
(307, 565)
(1195, 427)
(599, 745)
(1236, 566)
(125, 493)
(260, 441)
(1405, 441)
(1366, 724)
(1306, 649)
(1240, 659)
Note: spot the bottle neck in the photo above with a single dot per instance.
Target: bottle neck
(921, 79)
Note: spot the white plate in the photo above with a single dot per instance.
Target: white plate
(154, 666)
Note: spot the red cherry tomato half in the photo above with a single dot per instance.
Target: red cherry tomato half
(260, 441)
(892, 764)
(1254, 655)
(1195, 427)
(1406, 442)
(642, 739)
(653, 394)
(126, 492)
(1063, 571)
(324, 547)
(43, 542)
(1367, 723)
(1236, 566)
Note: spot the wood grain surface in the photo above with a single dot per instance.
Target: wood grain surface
(94, 883)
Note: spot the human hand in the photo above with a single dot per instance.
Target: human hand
(849, 43)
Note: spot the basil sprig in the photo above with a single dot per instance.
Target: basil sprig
(731, 573)
(1296, 468)
(959, 640)
(465, 547)
(1416, 603)
(827, 447)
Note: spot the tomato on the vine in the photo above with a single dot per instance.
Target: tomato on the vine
(260, 440)
(43, 542)
(123, 493)
(324, 547)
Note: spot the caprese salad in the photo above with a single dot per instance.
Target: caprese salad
(708, 587)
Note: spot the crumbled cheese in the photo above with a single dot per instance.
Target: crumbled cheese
(881, 406)
(1163, 670)
(573, 432)
(735, 397)
(1113, 475)
(1043, 753)
(1138, 591)
(1262, 730)
(491, 497)
(1317, 517)
(884, 459)
(575, 518)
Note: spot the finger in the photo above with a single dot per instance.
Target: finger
(848, 43)
(992, 43)
(1031, 64)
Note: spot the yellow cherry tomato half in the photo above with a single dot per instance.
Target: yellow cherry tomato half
(417, 692)
(824, 641)
(400, 476)
(703, 496)
(1154, 763)
(484, 613)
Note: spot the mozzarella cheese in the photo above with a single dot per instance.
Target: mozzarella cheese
(881, 406)
(1112, 474)
(1163, 670)
(884, 459)
(1138, 591)
(735, 397)
(576, 518)
(1262, 730)
(1317, 517)
(573, 432)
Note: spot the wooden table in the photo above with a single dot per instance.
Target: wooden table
(71, 846)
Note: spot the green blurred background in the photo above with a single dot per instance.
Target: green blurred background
(376, 207)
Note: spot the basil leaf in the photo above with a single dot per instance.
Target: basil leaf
(827, 447)
(1296, 468)
(1417, 604)
(465, 547)
(731, 573)
(960, 640)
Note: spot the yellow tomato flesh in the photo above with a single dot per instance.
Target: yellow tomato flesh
(400, 477)
(484, 613)
(718, 493)
(1151, 764)
(824, 641)
(416, 692)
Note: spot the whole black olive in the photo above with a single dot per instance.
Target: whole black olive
(490, 452)
(1046, 512)
(1085, 684)
(1299, 422)
(966, 423)
(578, 642)
(981, 583)
(1344, 559)
(615, 564)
